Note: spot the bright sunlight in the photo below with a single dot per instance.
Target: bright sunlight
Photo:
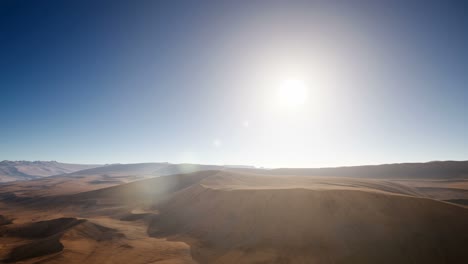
(292, 93)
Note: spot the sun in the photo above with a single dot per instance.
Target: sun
(292, 93)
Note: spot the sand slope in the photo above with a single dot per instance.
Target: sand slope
(314, 226)
(43, 238)
(233, 217)
(230, 217)
(279, 222)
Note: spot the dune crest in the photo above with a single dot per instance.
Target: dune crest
(297, 225)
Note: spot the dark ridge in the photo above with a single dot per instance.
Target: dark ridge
(105, 182)
(430, 170)
(41, 229)
(12, 197)
(47, 235)
(458, 201)
(4, 220)
(36, 248)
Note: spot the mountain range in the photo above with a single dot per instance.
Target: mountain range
(27, 170)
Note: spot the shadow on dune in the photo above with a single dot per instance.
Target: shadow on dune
(43, 237)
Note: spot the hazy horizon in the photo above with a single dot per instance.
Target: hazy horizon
(268, 84)
(240, 165)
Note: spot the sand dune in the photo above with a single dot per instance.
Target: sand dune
(99, 240)
(248, 218)
(45, 237)
(237, 217)
(95, 178)
(313, 226)
(157, 190)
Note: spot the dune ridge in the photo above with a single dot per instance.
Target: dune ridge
(298, 225)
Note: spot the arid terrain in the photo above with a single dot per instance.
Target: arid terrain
(233, 132)
(166, 213)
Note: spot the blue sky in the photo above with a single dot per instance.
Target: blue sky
(196, 81)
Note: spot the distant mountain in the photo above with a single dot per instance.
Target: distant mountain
(428, 170)
(27, 170)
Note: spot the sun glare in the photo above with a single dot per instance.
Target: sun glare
(292, 93)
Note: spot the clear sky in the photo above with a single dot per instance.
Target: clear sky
(265, 83)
